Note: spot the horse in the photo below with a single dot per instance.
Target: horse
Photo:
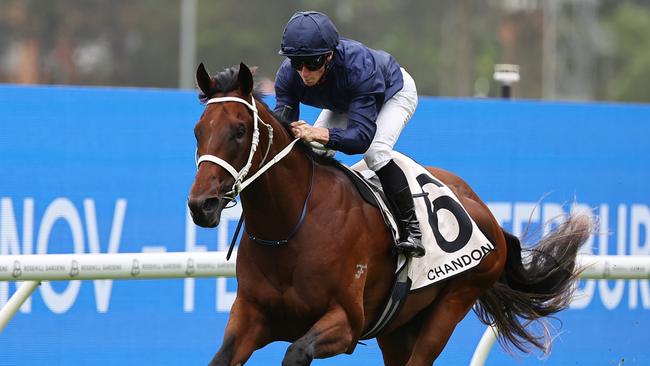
(316, 263)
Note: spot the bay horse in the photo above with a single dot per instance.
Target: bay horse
(315, 265)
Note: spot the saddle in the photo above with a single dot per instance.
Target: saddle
(367, 183)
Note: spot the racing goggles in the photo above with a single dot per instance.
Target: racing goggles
(312, 63)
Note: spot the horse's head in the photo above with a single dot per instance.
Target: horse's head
(225, 141)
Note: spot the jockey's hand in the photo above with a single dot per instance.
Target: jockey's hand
(308, 133)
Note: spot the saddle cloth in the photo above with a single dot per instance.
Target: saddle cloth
(453, 241)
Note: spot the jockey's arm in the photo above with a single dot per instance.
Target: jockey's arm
(356, 138)
(287, 105)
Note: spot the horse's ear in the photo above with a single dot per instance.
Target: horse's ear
(245, 79)
(203, 79)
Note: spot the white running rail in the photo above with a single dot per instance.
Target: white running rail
(119, 266)
(611, 267)
(32, 269)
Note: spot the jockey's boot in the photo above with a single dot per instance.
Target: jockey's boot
(396, 188)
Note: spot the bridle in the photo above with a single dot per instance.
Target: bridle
(240, 181)
(239, 176)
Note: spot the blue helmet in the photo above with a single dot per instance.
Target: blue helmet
(308, 33)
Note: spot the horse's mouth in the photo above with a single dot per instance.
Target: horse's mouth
(206, 212)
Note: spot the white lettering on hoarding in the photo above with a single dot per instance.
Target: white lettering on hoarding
(630, 223)
(611, 293)
(10, 244)
(611, 297)
(639, 223)
(224, 298)
(523, 213)
(61, 209)
(103, 287)
(190, 246)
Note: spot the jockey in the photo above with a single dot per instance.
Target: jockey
(366, 100)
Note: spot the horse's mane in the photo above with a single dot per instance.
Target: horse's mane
(226, 81)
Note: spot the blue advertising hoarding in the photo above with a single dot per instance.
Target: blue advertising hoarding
(98, 170)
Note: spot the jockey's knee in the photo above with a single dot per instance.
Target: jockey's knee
(377, 157)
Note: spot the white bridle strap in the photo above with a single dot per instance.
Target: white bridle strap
(266, 167)
(252, 106)
(239, 176)
(222, 163)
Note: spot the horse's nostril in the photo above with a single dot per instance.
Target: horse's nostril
(210, 204)
(194, 204)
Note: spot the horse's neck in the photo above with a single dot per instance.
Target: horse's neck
(273, 203)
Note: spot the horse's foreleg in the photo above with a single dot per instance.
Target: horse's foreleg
(246, 331)
(331, 335)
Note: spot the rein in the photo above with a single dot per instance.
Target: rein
(298, 225)
(240, 183)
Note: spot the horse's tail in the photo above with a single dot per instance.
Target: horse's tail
(539, 286)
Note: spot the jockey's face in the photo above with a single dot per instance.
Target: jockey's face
(311, 78)
(311, 69)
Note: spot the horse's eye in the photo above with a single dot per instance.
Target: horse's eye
(241, 130)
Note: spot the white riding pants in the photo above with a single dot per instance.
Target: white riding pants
(391, 120)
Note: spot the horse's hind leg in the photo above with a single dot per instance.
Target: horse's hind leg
(460, 293)
(397, 346)
(444, 314)
(331, 335)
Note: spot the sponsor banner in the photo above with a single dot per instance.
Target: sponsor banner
(97, 170)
